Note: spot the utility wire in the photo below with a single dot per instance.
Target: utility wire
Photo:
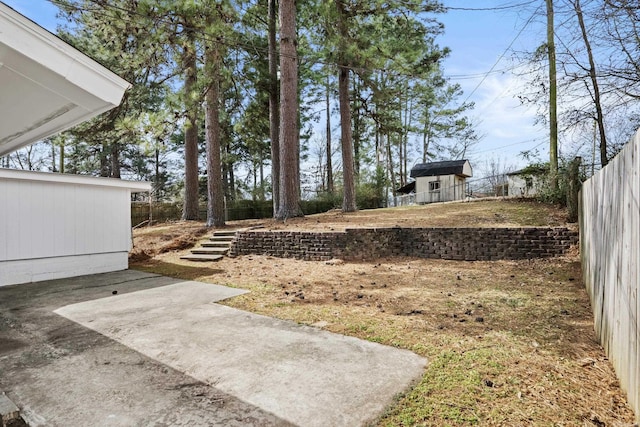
(511, 145)
(483, 9)
(533, 15)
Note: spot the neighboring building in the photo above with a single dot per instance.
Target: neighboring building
(526, 182)
(55, 225)
(441, 181)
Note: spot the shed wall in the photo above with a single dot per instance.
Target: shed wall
(517, 185)
(452, 187)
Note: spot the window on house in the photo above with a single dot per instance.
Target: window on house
(434, 186)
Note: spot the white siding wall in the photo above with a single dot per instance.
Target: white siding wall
(452, 187)
(517, 185)
(61, 229)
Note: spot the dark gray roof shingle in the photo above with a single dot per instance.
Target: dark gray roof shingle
(449, 167)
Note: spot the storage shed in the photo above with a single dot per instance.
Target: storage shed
(526, 182)
(441, 181)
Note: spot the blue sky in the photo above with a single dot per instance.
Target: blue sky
(480, 40)
(484, 40)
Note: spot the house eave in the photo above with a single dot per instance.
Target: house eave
(49, 177)
(48, 86)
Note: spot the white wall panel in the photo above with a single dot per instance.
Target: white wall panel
(47, 225)
(12, 220)
(4, 223)
(45, 242)
(35, 270)
(68, 218)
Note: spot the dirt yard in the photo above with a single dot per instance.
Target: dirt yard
(509, 343)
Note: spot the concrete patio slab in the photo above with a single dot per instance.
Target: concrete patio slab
(162, 352)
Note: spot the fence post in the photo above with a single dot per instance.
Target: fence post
(573, 188)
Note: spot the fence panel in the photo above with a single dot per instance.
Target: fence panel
(241, 209)
(610, 241)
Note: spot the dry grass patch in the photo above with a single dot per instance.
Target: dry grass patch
(509, 343)
(483, 213)
(151, 241)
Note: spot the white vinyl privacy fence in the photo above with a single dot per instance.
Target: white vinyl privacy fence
(610, 237)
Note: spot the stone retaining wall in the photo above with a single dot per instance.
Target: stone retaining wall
(470, 244)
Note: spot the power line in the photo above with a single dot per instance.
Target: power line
(533, 15)
(511, 145)
(483, 9)
(477, 75)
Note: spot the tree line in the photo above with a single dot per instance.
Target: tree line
(585, 79)
(238, 92)
(237, 99)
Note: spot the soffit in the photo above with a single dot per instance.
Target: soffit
(47, 85)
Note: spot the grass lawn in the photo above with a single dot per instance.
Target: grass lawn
(508, 342)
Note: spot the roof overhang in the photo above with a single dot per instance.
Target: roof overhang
(408, 188)
(47, 85)
(21, 175)
(461, 168)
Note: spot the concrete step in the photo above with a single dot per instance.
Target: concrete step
(216, 244)
(227, 239)
(224, 233)
(210, 251)
(202, 258)
(213, 250)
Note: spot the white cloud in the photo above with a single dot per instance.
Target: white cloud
(507, 126)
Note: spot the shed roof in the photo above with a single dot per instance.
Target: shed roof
(448, 167)
(408, 188)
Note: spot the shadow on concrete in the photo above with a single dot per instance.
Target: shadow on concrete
(60, 373)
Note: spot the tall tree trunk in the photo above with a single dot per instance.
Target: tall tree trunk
(329, 148)
(289, 205)
(348, 175)
(156, 185)
(349, 191)
(254, 172)
(405, 139)
(104, 160)
(62, 143)
(553, 90)
(425, 144)
(392, 175)
(190, 207)
(274, 108)
(357, 129)
(225, 177)
(596, 89)
(400, 159)
(377, 142)
(426, 139)
(261, 160)
(53, 155)
(215, 191)
(114, 158)
(232, 178)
